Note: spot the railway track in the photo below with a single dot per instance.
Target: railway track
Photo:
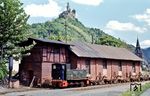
(103, 86)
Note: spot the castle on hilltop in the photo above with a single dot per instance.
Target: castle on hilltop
(68, 13)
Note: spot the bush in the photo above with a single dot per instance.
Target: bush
(3, 70)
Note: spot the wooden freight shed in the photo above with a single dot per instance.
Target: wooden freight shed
(105, 61)
(109, 62)
(42, 56)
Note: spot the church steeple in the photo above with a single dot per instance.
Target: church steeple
(138, 50)
(137, 43)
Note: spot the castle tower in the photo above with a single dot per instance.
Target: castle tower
(68, 7)
(68, 12)
(138, 50)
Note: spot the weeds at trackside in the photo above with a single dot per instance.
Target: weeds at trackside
(137, 93)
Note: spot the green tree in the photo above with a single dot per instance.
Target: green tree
(110, 41)
(13, 27)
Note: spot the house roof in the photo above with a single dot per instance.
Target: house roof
(100, 51)
(30, 41)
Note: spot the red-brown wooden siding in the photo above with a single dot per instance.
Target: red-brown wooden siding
(112, 67)
(41, 60)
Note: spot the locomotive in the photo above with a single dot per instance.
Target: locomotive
(64, 76)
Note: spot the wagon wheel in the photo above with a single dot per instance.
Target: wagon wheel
(139, 76)
(104, 79)
(82, 84)
(98, 77)
(98, 83)
(116, 80)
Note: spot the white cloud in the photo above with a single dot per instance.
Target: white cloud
(145, 17)
(119, 26)
(52, 9)
(88, 2)
(145, 43)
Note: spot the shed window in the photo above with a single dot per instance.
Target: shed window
(87, 62)
(56, 53)
(56, 50)
(120, 66)
(104, 64)
(133, 67)
(44, 51)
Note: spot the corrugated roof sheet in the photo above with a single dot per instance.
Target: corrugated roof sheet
(100, 51)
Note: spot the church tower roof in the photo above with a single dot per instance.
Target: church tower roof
(138, 50)
(137, 43)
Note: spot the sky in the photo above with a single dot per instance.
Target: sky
(124, 19)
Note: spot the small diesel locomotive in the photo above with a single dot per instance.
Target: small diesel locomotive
(64, 76)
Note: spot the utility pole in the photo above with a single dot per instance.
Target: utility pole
(65, 28)
(92, 39)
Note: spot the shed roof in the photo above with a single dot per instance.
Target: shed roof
(101, 51)
(30, 41)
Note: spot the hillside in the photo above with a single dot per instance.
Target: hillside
(56, 30)
(68, 28)
(146, 53)
(76, 31)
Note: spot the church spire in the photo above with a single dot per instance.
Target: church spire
(137, 43)
(138, 50)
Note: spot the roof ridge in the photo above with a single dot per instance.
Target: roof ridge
(108, 46)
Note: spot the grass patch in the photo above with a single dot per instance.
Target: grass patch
(137, 93)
